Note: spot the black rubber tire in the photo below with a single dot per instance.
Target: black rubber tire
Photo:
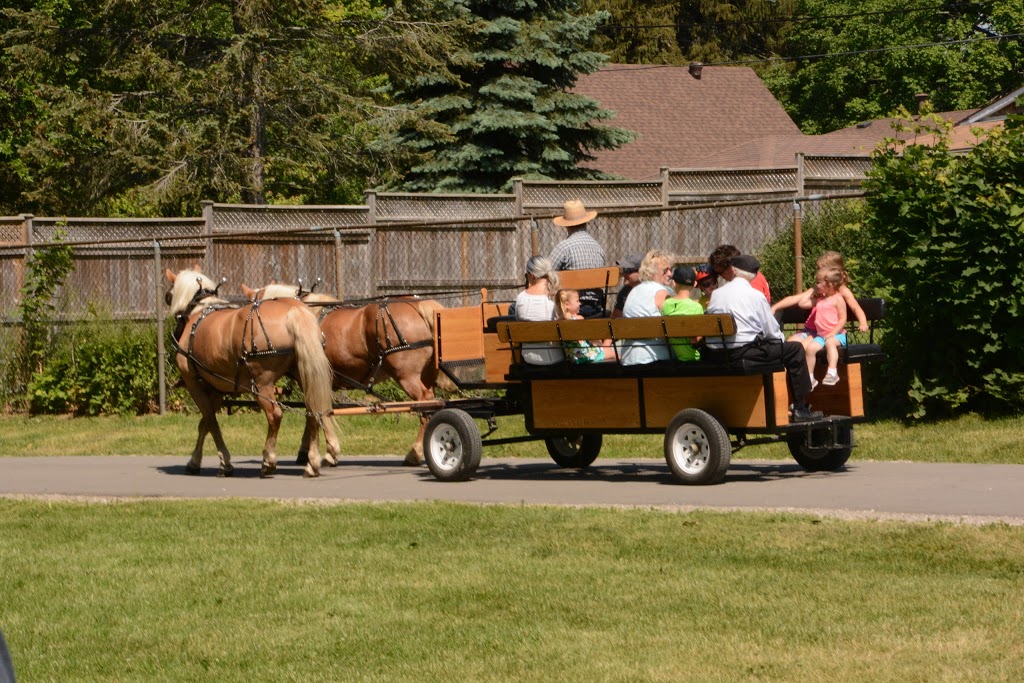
(577, 451)
(697, 447)
(452, 445)
(828, 460)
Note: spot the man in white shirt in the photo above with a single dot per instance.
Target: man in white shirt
(758, 337)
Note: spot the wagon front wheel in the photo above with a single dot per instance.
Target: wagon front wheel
(452, 445)
(697, 447)
(577, 451)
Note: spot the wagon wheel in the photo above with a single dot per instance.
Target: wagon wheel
(452, 445)
(697, 447)
(822, 455)
(577, 451)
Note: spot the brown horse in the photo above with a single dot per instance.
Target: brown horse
(225, 350)
(391, 338)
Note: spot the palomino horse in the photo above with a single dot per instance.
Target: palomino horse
(390, 338)
(230, 350)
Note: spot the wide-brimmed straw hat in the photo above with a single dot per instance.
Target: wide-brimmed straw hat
(574, 213)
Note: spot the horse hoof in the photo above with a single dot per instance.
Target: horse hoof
(412, 461)
(267, 470)
(310, 474)
(225, 471)
(191, 469)
(330, 460)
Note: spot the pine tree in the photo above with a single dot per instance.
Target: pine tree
(506, 109)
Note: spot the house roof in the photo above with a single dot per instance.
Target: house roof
(775, 151)
(681, 119)
(998, 108)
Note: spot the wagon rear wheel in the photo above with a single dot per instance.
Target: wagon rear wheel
(818, 452)
(452, 445)
(579, 450)
(697, 447)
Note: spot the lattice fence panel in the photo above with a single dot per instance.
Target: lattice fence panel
(836, 167)
(400, 206)
(545, 196)
(244, 218)
(699, 185)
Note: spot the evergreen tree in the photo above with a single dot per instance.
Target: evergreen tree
(506, 108)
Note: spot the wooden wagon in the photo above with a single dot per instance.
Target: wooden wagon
(704, 410)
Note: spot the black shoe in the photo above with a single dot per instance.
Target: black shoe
(805, 414)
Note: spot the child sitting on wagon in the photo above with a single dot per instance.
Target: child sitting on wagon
(826, 324)
(683, 280)
(567, 307)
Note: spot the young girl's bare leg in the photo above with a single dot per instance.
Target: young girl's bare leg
(832, 353)
(811, 349)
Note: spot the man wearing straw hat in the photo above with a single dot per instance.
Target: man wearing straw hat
(578, 251)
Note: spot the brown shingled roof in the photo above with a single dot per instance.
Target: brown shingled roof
(774, 151)
(681, 119)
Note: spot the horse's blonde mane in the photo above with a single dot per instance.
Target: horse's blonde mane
(279, 291)
(276, 290)
(186, 284)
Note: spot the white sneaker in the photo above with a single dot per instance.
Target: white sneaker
(830, 380)
(814, 383)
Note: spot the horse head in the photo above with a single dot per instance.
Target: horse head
(188, 288)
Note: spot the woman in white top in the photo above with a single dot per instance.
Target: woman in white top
(536, 303)
(644, 301)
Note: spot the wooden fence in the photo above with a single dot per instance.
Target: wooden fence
(448, 246)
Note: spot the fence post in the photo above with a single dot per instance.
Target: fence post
(798, 238)
(339, 271)
(664, 185)
(210, 265)
(798, 246)
(161, 352)
(517, 189)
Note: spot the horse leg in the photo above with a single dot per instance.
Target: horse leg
(273, 411)
(413, 386)
(208, 406)
(313, 447)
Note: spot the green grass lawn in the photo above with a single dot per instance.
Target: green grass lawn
(246, 590)
(967, 439)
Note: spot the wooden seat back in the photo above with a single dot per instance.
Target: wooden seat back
(591, 278)
(668, 327)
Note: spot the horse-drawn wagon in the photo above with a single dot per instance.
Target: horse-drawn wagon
(704, 410)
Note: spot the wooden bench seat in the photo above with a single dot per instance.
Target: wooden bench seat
(860, 347)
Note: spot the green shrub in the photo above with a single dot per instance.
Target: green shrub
(98, 368)
(947, 232)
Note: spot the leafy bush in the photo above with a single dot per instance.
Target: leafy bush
(947, 233)
(98, 368)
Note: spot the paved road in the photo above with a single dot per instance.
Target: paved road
(965, 493)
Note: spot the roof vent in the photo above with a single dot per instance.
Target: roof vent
(695, 69)
(863, 124)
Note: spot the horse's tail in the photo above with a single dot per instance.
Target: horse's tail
(428, 308)
(314, 369)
